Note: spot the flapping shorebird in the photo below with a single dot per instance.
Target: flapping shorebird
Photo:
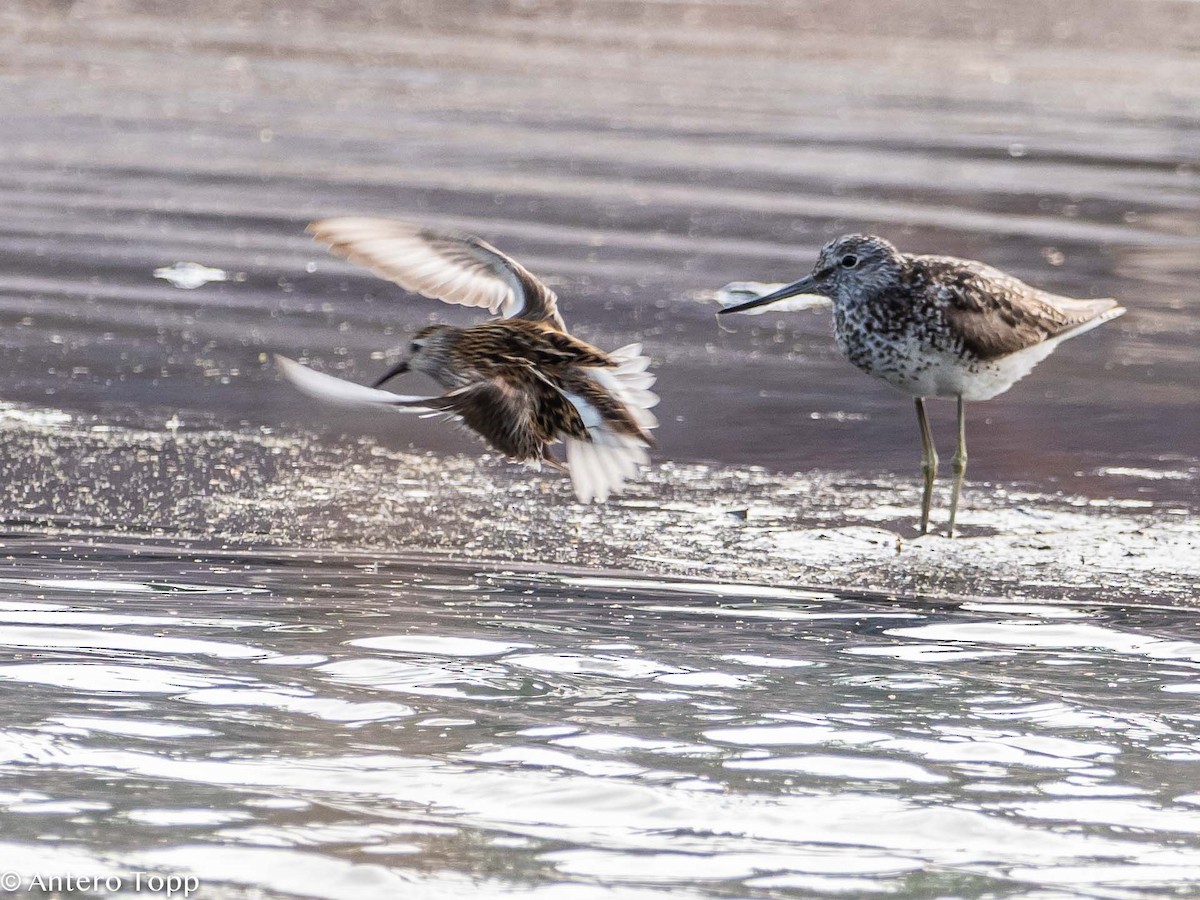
(935, 326)
(521, 382)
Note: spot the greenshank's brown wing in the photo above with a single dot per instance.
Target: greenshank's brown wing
(995, 314)
(444, 265)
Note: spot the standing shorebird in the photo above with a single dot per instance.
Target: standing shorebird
(521, 382)
(935, 326)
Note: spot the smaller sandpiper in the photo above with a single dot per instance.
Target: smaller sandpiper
(521, 382)
(936, 326)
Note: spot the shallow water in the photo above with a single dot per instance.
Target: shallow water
(330, 728)
(295, 652)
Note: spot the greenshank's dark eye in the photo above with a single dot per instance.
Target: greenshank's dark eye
(416, 346)
(849, 261)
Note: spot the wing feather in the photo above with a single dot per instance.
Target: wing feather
(996, 314)
(499, 412)
(338, 390)
(502, 414)
(450, 266)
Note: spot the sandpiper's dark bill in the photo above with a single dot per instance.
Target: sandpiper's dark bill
(521, 382)
(936, 326)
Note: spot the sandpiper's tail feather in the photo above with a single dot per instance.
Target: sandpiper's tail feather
(614, 452)
(630, 382)
(338, 390)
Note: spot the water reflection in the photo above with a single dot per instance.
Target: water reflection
(469, 731)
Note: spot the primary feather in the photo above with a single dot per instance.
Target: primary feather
(338, 390)
(450, 266)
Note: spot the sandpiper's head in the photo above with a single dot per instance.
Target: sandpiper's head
(852, 265)
(428, 353)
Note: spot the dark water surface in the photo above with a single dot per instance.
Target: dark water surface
(299, 652)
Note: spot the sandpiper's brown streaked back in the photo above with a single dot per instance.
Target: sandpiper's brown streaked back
(936, 326)
(521, 382)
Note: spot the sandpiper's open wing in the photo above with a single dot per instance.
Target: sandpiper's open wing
(444, 265)
(337, 390)
(496, 411)
(997, 314)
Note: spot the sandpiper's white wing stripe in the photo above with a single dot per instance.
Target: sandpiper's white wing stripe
(338, 390)
(448, 266)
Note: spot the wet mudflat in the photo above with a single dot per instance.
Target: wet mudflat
(299, 652)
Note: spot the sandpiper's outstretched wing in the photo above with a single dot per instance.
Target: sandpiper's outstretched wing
(444, 265)
(996, 314)
(338, 390)
(498, 412)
